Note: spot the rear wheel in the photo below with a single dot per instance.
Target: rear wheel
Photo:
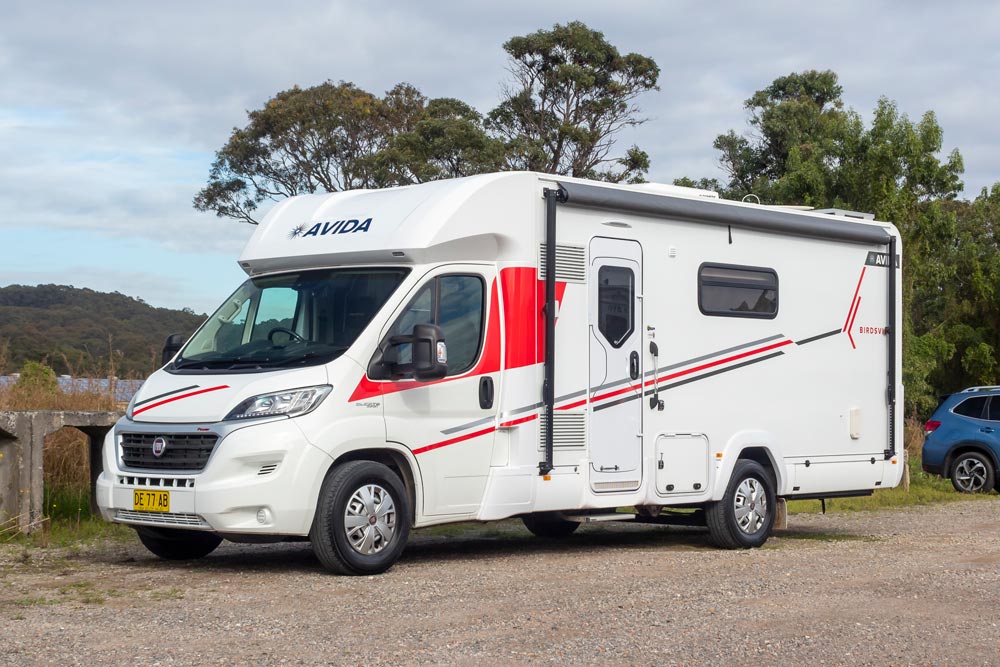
(362, 520)
(973, 473)
(176, 543)
(549, 524)
(745, 515)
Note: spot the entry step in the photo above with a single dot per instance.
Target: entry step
(595, 518)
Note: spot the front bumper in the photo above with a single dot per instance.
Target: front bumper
(262, 478)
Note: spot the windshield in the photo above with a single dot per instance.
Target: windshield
(290, 320)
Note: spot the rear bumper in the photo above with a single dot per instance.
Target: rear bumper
(932, 469)
(262, 479)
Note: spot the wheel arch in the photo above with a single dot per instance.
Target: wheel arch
(969, 446)
(753, 445)
(398, 460)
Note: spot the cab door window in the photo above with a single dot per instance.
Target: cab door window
(454, 303)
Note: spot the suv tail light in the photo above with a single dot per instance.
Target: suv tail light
(931, 425)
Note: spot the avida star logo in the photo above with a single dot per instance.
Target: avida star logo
(331, 227)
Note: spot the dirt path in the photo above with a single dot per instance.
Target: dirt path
(907, 587)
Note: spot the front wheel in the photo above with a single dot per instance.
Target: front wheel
(177, 543)
(362, 519)
(973, 473)
(745, 515)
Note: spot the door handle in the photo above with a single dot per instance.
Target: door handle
(486, 393)
(633, 365)
(987, 429)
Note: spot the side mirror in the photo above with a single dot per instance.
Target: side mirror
(171, 347)
(430, 353)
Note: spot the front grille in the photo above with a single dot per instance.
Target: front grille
(161, 518)
(184, 451)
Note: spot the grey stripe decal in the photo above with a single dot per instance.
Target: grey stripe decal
(609, 385)
(719, 353)
(478, 422)
(169, 393)
(688, 362)
(664, 387)
(819, 337)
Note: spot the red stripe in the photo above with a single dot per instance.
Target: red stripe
(452, 441)
(515, 422)
(717, 362)
(850, 326)
(723, 361)
(177, 398)
(856, 290)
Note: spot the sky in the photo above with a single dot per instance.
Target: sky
(111, 112)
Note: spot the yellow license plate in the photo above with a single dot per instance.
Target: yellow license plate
(151, 501)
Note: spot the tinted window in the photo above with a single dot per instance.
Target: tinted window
(454, 303)
(615, 299)
(994, 414)
(737, 291)
(971, 407)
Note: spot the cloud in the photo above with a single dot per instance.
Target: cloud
(110, 113)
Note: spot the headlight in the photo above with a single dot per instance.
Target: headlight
(291, 403)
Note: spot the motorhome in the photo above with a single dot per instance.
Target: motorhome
(519, 345)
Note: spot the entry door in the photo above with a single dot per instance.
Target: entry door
(447, 423)
(615, 278)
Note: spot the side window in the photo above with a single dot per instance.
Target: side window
(454, 303)
(971, 407)
(615, 299)
(737, 291)
(994, 413)
(460, 315)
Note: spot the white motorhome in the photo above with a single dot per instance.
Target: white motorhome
(519, 345)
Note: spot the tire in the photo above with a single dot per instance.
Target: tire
(362, 519)
(549, 525)
(176, 543)
(744, 517)
(973, 472)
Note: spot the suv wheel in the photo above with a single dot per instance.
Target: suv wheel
(972, 472)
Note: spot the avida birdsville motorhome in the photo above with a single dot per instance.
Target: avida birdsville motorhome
(519, 345)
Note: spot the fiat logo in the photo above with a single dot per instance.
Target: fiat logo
(159, 446)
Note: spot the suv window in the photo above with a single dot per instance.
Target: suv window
(994, 413)
(971, 407)
(454, 303)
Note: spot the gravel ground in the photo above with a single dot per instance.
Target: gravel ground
(903, 587)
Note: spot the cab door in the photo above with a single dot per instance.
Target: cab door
(615, 425)
(448, 423)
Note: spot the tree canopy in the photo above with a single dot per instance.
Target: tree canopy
(571, 94)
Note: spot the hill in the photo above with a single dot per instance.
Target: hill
(80, 331)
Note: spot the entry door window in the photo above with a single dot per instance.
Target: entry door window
(615, 303)
(454, 303)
